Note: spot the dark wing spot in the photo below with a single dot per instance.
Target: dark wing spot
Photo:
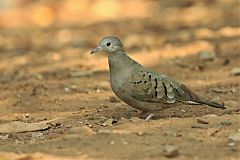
(138, 82)
(145, 81)
(165, 88)
(155, 87)
(150, 77)
(176, 91)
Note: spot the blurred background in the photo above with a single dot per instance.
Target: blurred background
(44, 13)
(55, 27)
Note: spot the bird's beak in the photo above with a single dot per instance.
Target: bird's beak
(97, 49)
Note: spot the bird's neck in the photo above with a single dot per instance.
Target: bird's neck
(119, 62)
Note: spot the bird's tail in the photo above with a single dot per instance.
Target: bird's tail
(209, 103)
(201, 100)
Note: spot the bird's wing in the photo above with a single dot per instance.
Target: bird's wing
(149, 86)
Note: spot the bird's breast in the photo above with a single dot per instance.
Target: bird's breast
(119, 82)
(120, 73)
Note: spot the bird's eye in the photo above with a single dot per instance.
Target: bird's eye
(108, 44)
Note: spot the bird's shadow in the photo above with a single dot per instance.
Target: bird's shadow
(181, 111)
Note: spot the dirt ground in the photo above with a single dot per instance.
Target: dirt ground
(56, 101)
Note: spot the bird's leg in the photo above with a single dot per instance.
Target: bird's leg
(149, 117)
(146, 115)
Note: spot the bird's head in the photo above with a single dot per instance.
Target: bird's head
(109, 44)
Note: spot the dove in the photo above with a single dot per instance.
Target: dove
(141, 87)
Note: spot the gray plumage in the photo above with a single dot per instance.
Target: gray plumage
(141, 87)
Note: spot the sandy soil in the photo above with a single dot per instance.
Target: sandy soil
(56, 85)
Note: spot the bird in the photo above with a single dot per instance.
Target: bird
(141, 87)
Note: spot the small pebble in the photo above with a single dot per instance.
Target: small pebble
(109, 122)
(207, 56)
(183, 110)
(124, 142)
(234, 137)
(170, 151)
(74, 87)
(27, 115)
(140, 133)
(39, 76)
(231, 144)
(202, 121)
(233, 90)
(90, 125)
(66, 89)
(235, 71)
(226, 62)
(226, 123)
(215, 98)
